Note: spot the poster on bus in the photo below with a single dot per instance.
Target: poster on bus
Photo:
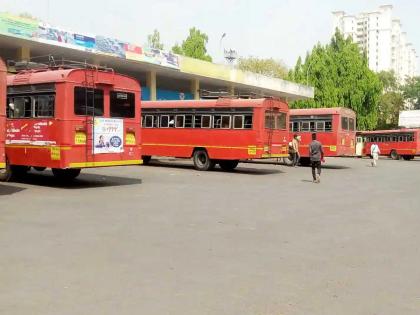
(108, 135)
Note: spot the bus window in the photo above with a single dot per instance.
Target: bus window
(352, 126)
(205, 121)
(304, 126)
(269, 120)
(189, 122)
(122, 104)
(344, 123)
(164, 121)
(281, 121)
(320, 126)
(328, 125)
(179, 121)
(312, 125)
(295, 126)
(20, 107)
(148, 121)
(225, 122)
(248, 122)
(238, 122)
(44, 105)
(92, 105)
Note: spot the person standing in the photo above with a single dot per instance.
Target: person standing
(295, 150)
(374, 152)
(316, 155)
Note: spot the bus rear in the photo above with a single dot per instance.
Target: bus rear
(3, 74)
(70, 119)
(335, 129)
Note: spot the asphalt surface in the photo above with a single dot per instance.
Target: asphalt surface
(166, 239)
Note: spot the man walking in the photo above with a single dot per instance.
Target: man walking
(295, 150)
(316, 155)
(374, 152)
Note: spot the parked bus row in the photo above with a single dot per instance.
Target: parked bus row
(71, 117)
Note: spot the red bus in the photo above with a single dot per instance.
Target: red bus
(398, 143)
(3, 74)
(335, 129)
(67, 119)
(218, 131)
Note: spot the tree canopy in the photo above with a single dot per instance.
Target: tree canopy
(153, 40)
(194, 46)
(341, 77)
(391, 102)
(268, 67)
(411, 92)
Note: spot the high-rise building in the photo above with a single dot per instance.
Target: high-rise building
(381, 37)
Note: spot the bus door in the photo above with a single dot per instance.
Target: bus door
(359, 146)
(89, 102)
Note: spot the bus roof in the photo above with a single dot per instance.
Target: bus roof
(367, 132)
(75, 75)
(322, 111)
(222, 102)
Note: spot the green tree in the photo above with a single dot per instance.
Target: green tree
(341, 77)
(391, 101)
(194, 46)
(153, 40)
(268, 67)
(390, 105)
(389, 80)
(411, 92)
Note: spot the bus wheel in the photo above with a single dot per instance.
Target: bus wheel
(202, 161)
(19, 170)
(146, 159)
(6, 174)
(228, 165)
(408, 157)
(305, 161)
(394, 155)
(39, 168)
(66, 174)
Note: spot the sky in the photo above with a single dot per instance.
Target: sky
(279, 29)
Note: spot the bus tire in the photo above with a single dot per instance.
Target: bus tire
(146, 159)
(408, 157)
(39, 168)
(305, 161)
(202, 161)
(228, 165)
(19, 170)
(66, 174)
(6, 174)
(394, 155)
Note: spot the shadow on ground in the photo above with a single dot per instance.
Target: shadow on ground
(6, 190)
(238, 170)
(85, 180)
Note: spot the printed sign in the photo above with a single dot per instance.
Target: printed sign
(108, 135)
(40, 31)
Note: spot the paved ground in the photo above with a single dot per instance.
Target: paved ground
(170, 240)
